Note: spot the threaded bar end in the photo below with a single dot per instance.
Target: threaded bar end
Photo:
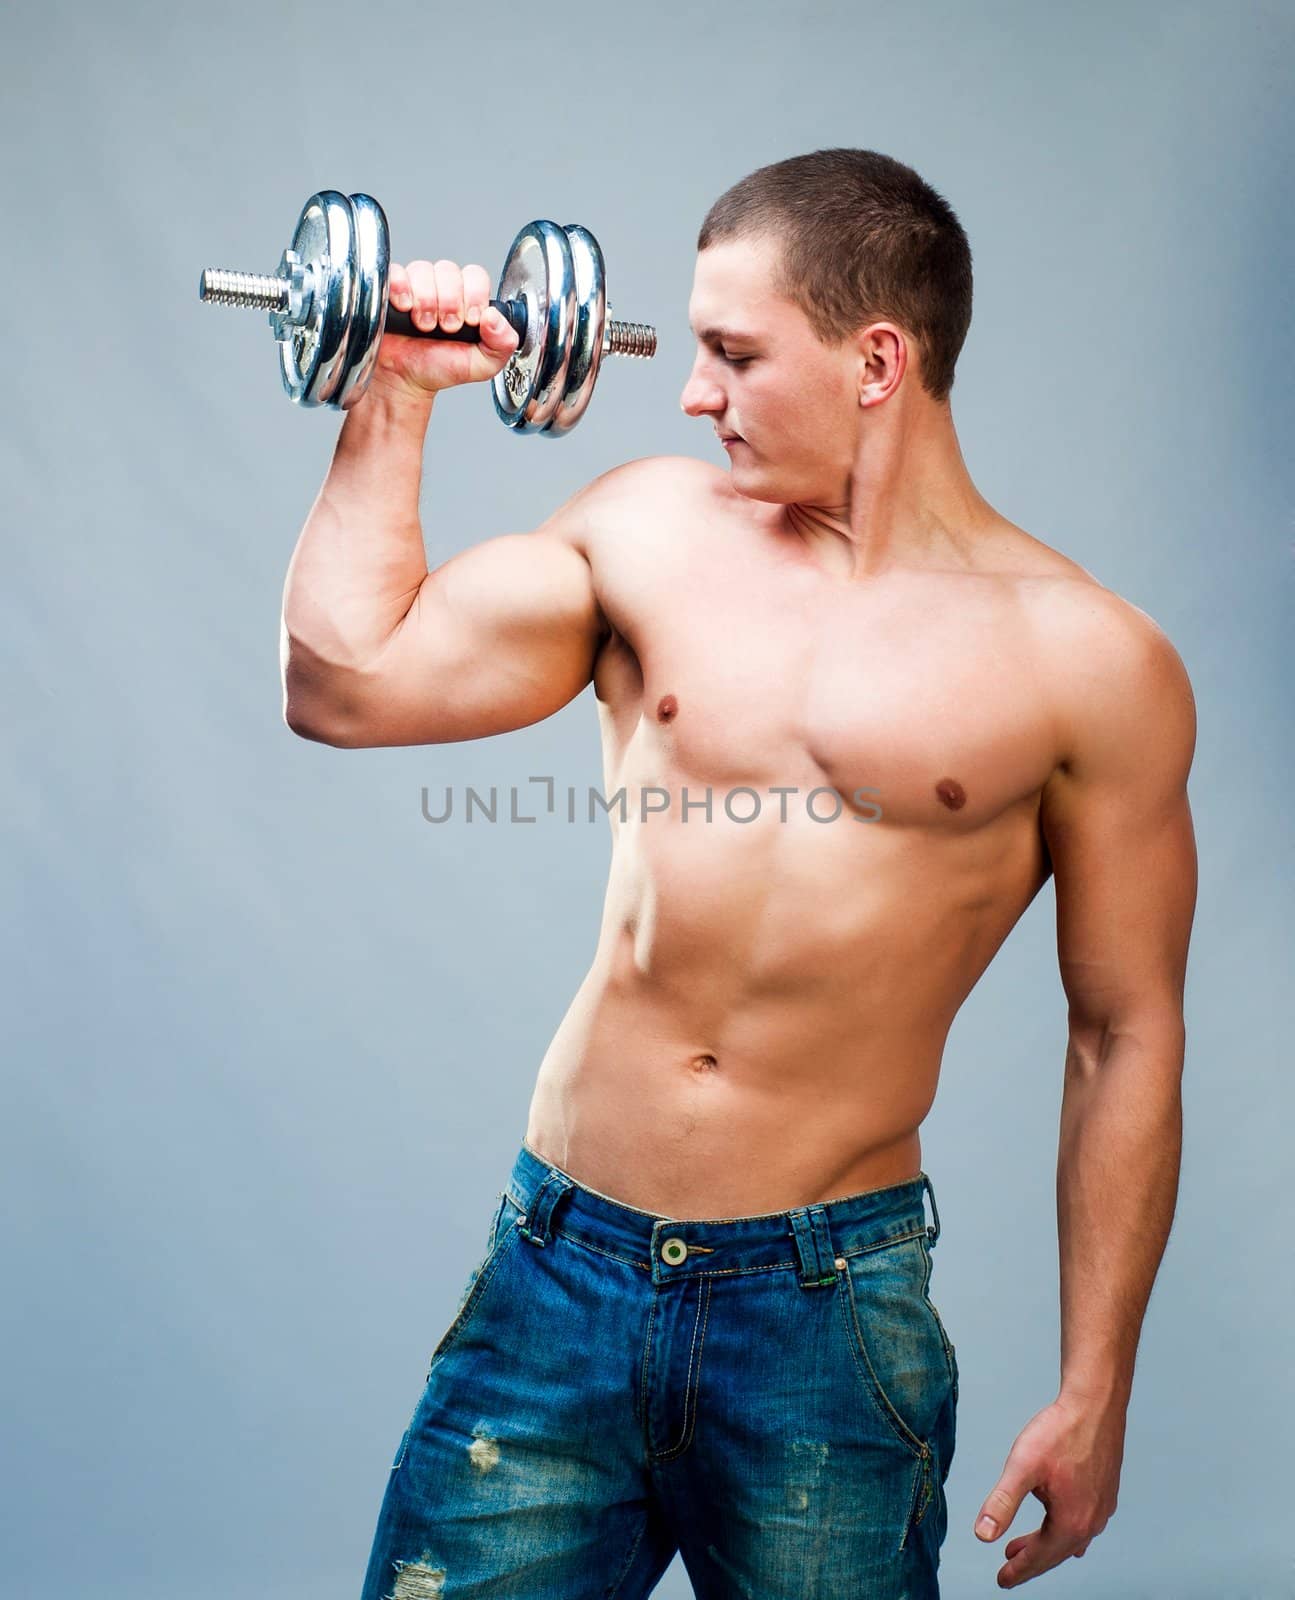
(254, 290)
(630, 339)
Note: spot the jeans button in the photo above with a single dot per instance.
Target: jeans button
(673, 1251)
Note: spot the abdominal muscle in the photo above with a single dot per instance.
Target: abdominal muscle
(764, 1019)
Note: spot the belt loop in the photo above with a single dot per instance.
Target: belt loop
(536, 1224)
(814, 1245)
(932, 1233)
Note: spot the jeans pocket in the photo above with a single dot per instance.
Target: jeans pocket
(503, 1229)
(895, 1337)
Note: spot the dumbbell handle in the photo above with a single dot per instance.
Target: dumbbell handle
(513, 311)
(619, 338)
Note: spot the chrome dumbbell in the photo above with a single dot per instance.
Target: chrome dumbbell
(328, 310)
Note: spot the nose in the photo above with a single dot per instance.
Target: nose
(701, 395)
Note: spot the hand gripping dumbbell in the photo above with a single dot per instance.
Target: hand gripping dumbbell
(328, 309)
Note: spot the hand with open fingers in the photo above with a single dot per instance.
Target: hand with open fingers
(1069, 1457)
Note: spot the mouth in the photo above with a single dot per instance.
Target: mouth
(730, 438)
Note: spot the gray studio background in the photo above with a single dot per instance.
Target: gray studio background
(269, 1036)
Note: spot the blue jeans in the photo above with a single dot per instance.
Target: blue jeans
(772, 1396)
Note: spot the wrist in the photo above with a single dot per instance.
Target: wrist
(396, 401)
(1100, 1391)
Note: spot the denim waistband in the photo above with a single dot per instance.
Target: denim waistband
(809, 1238)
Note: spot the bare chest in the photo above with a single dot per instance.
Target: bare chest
(920, 700)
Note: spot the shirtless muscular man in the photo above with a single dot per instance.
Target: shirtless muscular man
(702, 1322)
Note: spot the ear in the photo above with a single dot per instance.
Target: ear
(883, 353)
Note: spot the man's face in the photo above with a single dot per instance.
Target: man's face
(762, 375)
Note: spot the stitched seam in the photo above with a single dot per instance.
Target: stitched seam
(644, 1399)
(880, 1244)
(928, 1492)
(690, 1392)
(487, 1272)
(495, 1221)
(734, 1272)
(610, 1255)
(629, 1560)
(694, 1353)
(944, 1337)
(910, 1522)
(701, 1345)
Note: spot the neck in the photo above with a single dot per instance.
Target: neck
(905, 500)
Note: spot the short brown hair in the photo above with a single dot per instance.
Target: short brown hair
(863, 238)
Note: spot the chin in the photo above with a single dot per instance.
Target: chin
(756, 486)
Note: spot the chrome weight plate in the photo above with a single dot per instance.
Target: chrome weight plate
(371, 256)
(312, 357)
(540, 271)
(587, 340)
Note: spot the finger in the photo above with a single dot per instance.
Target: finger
(1019, 1572)
(422, 279)
(449, 293)
(1019, 1552)
(498, 334)
(1000, 1505)
(1037, 1552)
(476, 293)
(399, 294)
(1003, 1501)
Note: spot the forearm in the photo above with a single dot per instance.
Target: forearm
(1117, 1187)
(359, 560)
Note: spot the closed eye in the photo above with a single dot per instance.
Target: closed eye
(736, 361)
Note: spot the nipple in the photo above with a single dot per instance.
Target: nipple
(951, 793)
(666, 708)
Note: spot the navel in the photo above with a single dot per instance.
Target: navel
(704, 1062)
(666, 708)
(951, 793)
